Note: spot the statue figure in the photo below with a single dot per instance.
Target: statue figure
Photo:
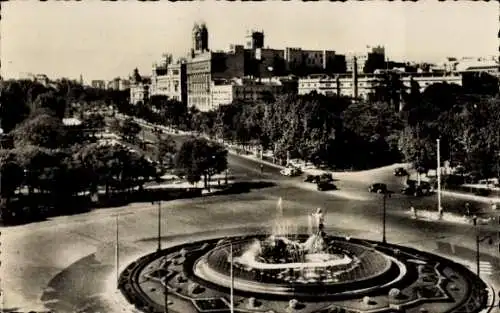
(318, 220)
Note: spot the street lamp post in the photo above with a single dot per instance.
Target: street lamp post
(117, 255)
(165, 287)
(159, 223)
(232, 279)
(384, 210)
(439, 175)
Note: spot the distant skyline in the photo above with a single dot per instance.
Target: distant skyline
(103, 40)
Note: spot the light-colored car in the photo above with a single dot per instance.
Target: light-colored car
(291, 171)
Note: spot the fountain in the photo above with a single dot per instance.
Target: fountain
(311, 260)
(294, 269)
(286, 263)
(281, 226)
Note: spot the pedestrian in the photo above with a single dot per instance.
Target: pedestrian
(493, 205)
(414, 212)
(440, 212)
(261, 169)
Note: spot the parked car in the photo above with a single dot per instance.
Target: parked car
(378, 188)
(295, 163)
(324, 186)
(400, 172)
(423, 189)
(311, 179)
(484, 192)
(291, 171)
(328, 177)
(325, 177)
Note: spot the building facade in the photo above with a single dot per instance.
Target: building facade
(424, 80)
(139, 88)
(123, 84)
(204, 66)
(98, 84)
(314, 61)
(170, 80)
(118, 84)
(139, 92)
(199, 78)
(251, 90)
(365, 85)
(367, 62)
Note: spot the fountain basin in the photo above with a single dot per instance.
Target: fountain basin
(316, 260)
(351, 269)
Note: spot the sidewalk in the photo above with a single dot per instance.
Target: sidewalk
(471, 197)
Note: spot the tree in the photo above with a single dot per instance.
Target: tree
(199, 158)
(418, 147)
(114, 167)
(11, 174)
(390, 89)
(166, 149)
(129, 129)
(93, 123)
(104, 164)
(44, 168)
(42, 130)
(14, 108)
(51, 101)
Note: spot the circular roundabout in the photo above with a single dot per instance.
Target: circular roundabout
(290, 272)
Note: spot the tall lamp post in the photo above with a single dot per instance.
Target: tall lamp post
(165, 287)
(232, 279)
(384, 213)
(117, 254)
(159, 223)
(438, 171)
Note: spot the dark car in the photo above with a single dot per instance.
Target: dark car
(400, 172)
(423, 189)
(311, 179)
(324, 186)
(378, 188)
(482, 192)
(326, 177)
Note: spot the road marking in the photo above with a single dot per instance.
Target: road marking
(485, 268)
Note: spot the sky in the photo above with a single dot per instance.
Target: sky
(103, 40)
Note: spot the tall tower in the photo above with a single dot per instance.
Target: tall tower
(254, 39)
(196, 35)
(200, 38)
(203, 37)
(257, 40)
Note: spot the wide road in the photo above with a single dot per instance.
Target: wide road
(67, 263)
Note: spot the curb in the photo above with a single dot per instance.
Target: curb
(491, 298)
(470, 196)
